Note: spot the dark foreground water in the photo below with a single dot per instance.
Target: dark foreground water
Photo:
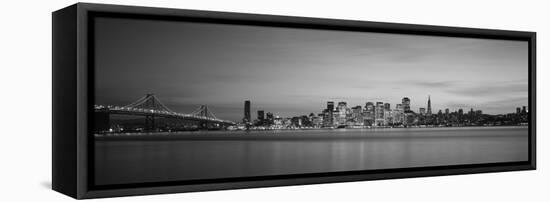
(204, 155)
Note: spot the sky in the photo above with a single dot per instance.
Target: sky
(290, 71)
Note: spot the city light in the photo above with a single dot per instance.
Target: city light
(380, 115)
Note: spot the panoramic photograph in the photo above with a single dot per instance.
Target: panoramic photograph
(180, 101)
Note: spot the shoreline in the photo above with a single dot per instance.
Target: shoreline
(297, 134)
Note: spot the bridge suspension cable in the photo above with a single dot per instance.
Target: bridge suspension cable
(149, 101)
(203, 110)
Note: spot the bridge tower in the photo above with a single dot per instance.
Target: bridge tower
(204, 111)
(152, 103)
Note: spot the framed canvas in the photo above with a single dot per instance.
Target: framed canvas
(155, 100)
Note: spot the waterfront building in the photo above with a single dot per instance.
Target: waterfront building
(399, 107)
(317, 121)
(343, 113)
(335, 118)
(330, 112)
(422, 111)
(278, 122)
(356, 116)
(342, 105)
(389, 117)
(368, 114)
(409, 118)
(261, 116)
(406, 102)
(247, 117)
(379, 114)
(326, 118)
(398, 115)
(269, 118)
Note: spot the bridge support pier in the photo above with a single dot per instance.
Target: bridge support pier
(150, 123)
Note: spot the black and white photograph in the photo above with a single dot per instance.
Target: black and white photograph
(183, 101)
(274, 101)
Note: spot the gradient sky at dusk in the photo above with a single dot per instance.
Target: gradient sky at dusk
(292, 71)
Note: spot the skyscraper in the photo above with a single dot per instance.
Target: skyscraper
(269, 118)
(342, 113)
(369, 106)
(330, 108)
(342, 106)
(356, 114)
(387, 106)
(369, 113)
(406, 102)
(246, 118)
(379, 114)
(429, 111)
(261, 116)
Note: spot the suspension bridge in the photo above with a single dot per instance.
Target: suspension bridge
(151, 109)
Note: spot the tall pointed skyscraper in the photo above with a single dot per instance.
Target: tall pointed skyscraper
(429, 112)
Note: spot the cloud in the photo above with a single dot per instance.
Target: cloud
(434, 84)
(492, 89)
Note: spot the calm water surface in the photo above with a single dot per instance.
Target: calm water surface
(222, 154)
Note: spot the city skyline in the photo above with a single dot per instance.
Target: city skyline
(294, 71)
(393, 106)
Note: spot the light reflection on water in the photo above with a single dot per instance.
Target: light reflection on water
(219, 154)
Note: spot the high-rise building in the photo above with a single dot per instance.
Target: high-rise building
(356, 115)
(399, 107)
(330, 111)
(379, 113)
(406, 102)
(524, 110)
(261, 117)
(342, 106)
(270, 119)
(246, 118)
(387, 106)
(399, 114)
(369, 106)
(429, 112)
(356, 110)
(389, 116)
(330, 105)
(518, 110)
(342, 114)
(368, 114)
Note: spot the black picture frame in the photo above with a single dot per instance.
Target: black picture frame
(72, 101)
